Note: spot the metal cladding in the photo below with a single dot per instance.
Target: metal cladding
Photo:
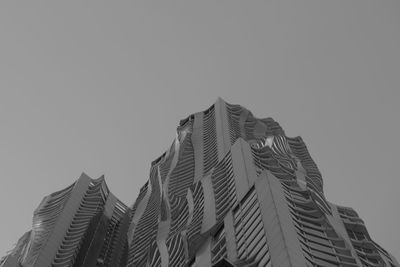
(81, 225)
(232, 190)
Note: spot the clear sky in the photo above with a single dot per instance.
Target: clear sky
(100, 86)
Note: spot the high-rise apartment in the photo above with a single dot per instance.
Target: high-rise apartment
(81, 225)
(232, 190)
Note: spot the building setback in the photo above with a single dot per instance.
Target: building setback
(232, 190)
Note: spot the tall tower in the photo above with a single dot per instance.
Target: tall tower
(232, 190)
(81, 225)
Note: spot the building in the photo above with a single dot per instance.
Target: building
(81, 225)
(232, 190)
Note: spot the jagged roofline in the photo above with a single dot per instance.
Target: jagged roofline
(219, 100)
(220, 170)
(229, 181)
(297, 141)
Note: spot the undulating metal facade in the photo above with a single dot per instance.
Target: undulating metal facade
(232, 190)
(81, 225)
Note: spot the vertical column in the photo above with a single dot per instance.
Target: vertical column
(162, 234)
(245, 175)
(209, 215)
(197, 142)
(285, 249)
(239, 169)
(203, 255)
(222, 128)
(243, 167)
(230, 238)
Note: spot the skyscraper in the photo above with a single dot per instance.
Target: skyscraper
(232, 190)
(81, 225)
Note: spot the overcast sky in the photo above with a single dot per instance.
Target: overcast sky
(99, 87)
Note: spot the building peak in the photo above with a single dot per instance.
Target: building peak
(232, 190)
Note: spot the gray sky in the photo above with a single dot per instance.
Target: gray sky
(100, 87)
